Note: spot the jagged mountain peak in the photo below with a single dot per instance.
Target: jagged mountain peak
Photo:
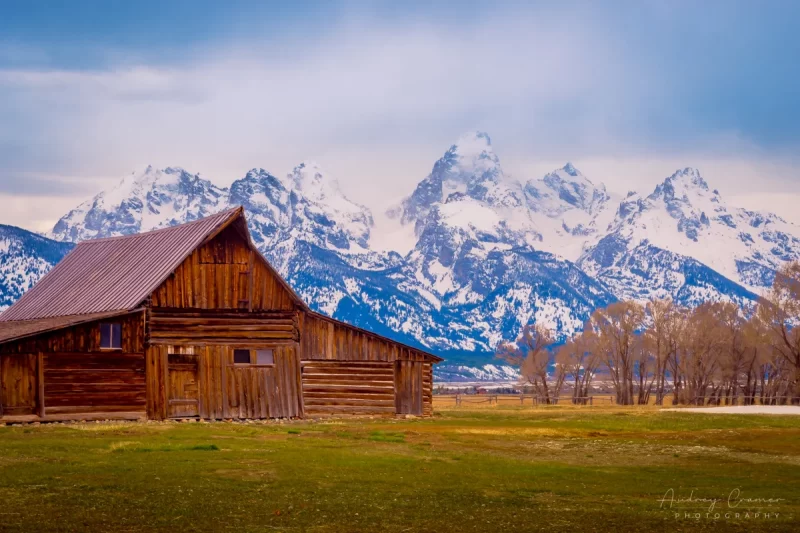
(471, 158)
(473, 144)
(570, 169)
(258, 174)
(683, 183)
(683, 230)
(564, 189)
(141, 201)
(469, 170)
(318, 186)
(309, 174)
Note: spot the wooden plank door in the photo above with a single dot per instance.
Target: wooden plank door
(183, 390)
(408, 387)
(19, 384)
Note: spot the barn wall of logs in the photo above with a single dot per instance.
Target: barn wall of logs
(66, 372)
(327, 340)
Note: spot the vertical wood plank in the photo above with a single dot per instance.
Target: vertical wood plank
(40, 381)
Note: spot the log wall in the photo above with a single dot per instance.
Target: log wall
(348, 387)
(194, 327)
(66, 371)
(324, 338)
(88, 383)
(83, 338)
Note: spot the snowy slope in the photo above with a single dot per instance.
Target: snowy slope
(142, 201)
(480, 251)
(684, 241)
(24, 258)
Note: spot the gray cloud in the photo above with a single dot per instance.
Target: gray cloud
(378, 103)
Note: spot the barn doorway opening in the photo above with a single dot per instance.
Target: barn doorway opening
(408, 387)
(183, 391)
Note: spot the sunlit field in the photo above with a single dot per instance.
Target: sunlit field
(489, 468)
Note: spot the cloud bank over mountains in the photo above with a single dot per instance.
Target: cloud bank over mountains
(373, 93)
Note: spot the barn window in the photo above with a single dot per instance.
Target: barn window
(264, 357)
(241, 357)
(111, 335)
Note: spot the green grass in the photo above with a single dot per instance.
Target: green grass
(502, 469)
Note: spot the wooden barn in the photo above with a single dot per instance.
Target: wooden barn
(192, 322)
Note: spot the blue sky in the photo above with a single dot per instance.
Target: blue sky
(376, 91)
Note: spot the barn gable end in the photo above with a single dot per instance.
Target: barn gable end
(225, 272)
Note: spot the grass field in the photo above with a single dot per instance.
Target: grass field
(499, 469)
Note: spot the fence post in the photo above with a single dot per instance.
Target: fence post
(458, 400)
(590, 401)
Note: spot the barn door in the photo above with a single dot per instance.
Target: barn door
(18, 384)
(408, 387)
(183, 392)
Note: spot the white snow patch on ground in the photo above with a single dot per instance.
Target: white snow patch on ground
(744, 410)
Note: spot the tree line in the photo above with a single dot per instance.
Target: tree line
(714, 353)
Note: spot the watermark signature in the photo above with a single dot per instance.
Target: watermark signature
(735, 506)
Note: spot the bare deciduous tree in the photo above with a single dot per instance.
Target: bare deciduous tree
(530, 353)
(713, 353)
(616, 328)
(780, 312)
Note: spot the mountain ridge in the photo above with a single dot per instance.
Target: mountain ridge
(491, 253)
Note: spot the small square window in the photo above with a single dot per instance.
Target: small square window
(241, 357)
(264, 357)
(111, 335)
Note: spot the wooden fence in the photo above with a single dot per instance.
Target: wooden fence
(486, 400)
(459, 400)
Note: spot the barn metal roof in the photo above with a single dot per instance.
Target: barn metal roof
(116, 273)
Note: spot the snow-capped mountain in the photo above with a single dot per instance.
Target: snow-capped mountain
(140, 202)
(479, 252)
(491, 253)
(684, 241)
(24, 258)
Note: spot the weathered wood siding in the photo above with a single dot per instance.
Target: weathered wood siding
(408, 387)
(223, 274)
(66, 371)
(324, 338)
(223, 389)
(19, 389)
(348, 387)
(98, 382)
(83, 338)
(427, 389)
(331, 349)
(187, 327)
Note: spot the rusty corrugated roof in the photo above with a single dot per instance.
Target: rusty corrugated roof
(25, 328)
(116, 273)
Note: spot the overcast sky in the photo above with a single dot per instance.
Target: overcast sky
(376, 92)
